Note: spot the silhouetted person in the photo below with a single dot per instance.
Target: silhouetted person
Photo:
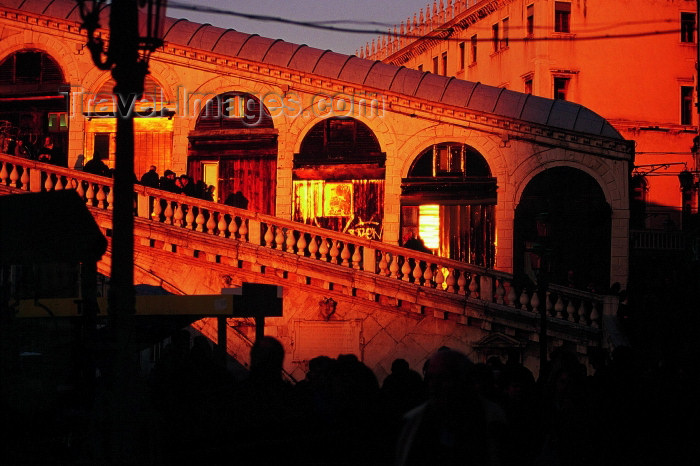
(167, 182)
(237, 199)
(402, 390)
(96, 166)
(450, 428)
(416, 243)
(151, 178)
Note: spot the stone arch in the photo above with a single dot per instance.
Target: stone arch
(448, 200)
(564, 221)
(338, 177)
(233, 146)
(64, 56)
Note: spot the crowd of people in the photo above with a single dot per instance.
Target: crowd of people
(182, 184)
(455, 412)
(47, 151)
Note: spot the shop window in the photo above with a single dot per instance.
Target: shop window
(58, 122)
(562, 17)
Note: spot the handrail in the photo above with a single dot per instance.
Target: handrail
(459, 279)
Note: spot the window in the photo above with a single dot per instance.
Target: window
(461, 55)
(561, 87)
(686, 105)
(473, 43)
(504, 39)
(562, 17)
(494, 31)
(58, 122)
(444, 63)
(530, 20)
(528, 86)
(688, 27)
(420, 67)
(435, 65)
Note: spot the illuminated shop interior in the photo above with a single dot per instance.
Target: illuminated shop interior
(448, 200)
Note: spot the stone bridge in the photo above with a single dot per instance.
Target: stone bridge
(342, 293)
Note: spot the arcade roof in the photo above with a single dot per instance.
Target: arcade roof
(375, 74)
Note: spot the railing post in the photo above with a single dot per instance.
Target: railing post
(369, 260)
(142, 206)
(254, 231)
(35, 180)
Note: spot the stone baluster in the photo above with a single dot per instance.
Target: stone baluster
(178, 215)
(474, 286)
(100, 196)
(59, 184)
(383, 264)
(406, 270)
(211, 223)
(462, 283)
(582, 313)
(89, 194)
(323, 249)
(243, 230)
(334, 252)
(570, 310)
(168, 214)
(356, 258)
(313, 247)
(451, 280)
(394, 266)
(279, 238)
(524, 299)
(417, 273)
(157, 209)
(511, 295)
(500, 291)
(110, 199)
(439, 278)
(535, 301)
(189, 218)
(269, 236)
(595, 315)
(559, 308)
(24, 179)
(290, 241)
(301, 244)
(48, 184)
(345, 254)
(428, 276)
(548, 303)
(14, 176)
(79, 188)
(199, 220)
(4, 173)
(233, 227)
(221, 225)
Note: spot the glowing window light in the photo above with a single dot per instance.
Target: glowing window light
(429, 225)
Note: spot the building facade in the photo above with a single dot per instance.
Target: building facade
(339, 141)
(631, 61)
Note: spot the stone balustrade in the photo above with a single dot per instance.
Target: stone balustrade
(480, 286)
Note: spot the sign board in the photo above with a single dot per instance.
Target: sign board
(327, 338)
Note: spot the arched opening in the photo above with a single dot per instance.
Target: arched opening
(234, 148)
(448, 200)
(153, 127)
(339, 178)
(33, 103)
(578, 226)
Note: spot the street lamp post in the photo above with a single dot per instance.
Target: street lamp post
(126, 56)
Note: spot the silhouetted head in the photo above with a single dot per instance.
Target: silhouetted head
(449, 378)
(266, 357)
(399, 366)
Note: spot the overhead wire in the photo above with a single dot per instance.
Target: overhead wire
(328, 26)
